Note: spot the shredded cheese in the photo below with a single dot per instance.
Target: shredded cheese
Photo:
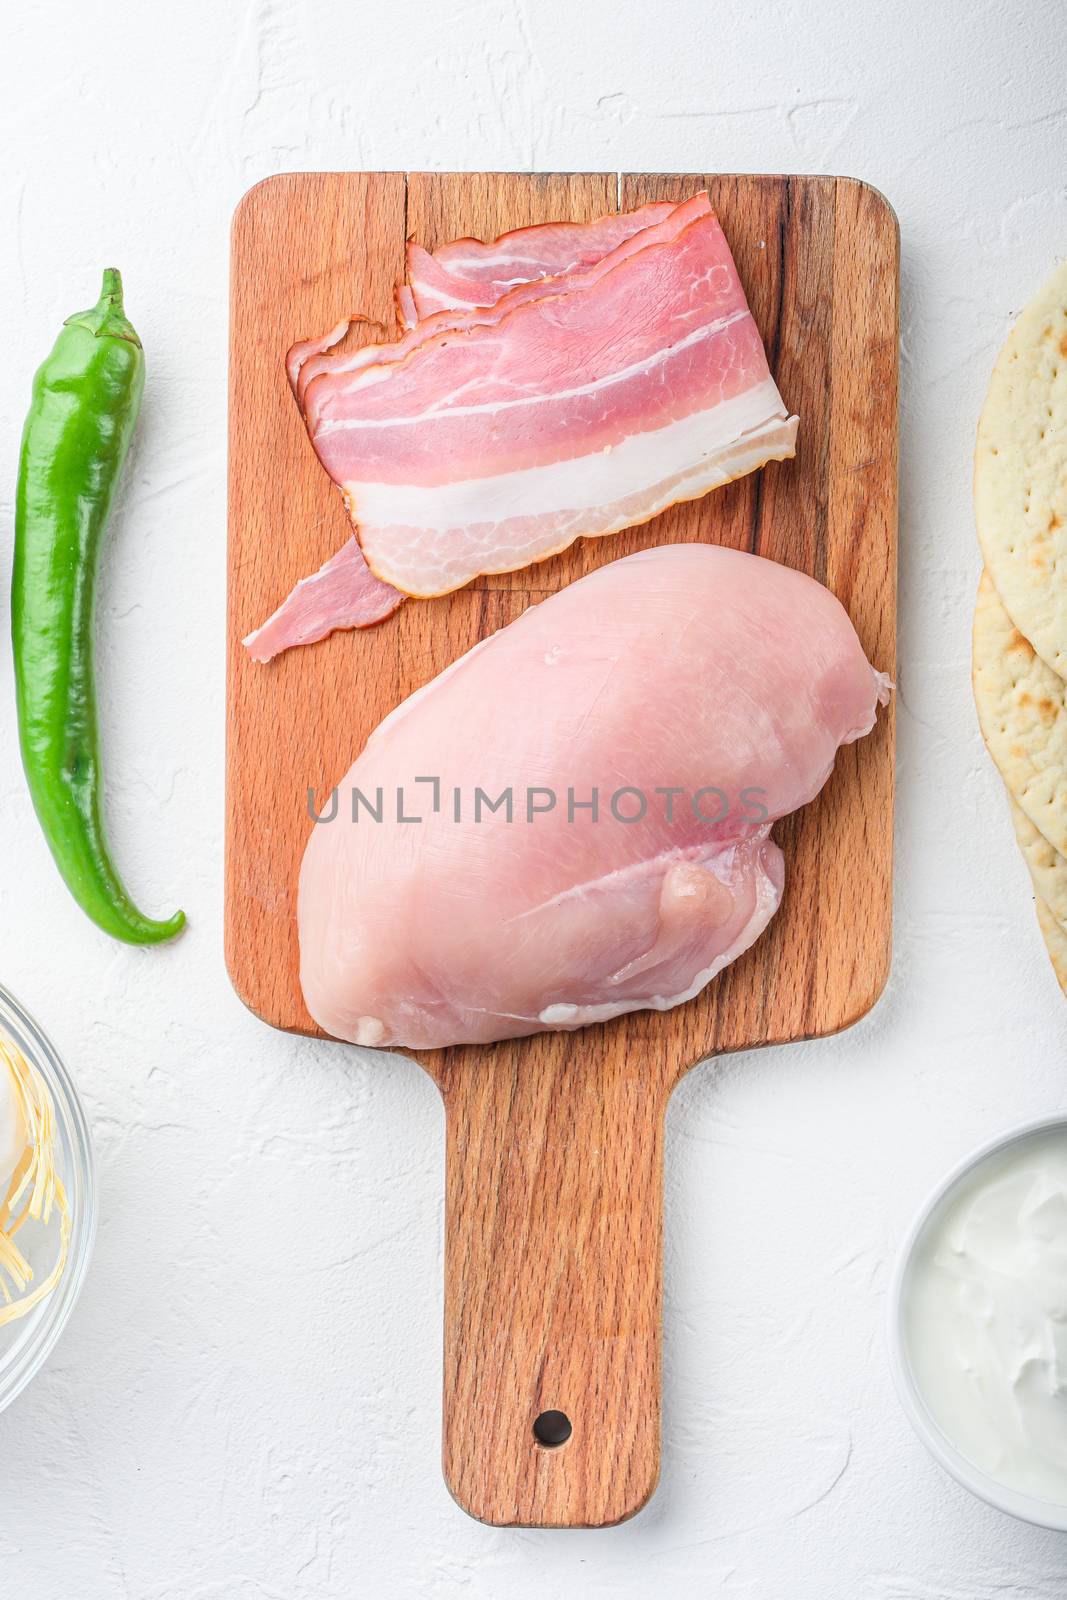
(34, 1191)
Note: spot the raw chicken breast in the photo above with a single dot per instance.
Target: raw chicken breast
(699, 693)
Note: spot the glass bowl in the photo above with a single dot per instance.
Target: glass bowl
(26, 1343)
(1017, 1503)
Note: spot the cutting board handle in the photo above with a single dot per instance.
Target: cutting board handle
(553, 1285)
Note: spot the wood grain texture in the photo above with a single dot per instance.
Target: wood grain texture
(554, 1144)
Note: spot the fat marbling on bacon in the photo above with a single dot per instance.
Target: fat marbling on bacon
(469, 273)
(311, 358)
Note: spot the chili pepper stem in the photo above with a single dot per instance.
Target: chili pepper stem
(108, 316)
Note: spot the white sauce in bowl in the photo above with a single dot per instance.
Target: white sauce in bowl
(985, 1316)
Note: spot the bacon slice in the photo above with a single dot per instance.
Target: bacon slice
(344, 593)
(677, 400)
(301, 353)
(311, 358)
(490, 444)
(469, 273)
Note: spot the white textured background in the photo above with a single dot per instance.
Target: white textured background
(246, 1402)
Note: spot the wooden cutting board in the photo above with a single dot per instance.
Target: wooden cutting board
(554, 1144)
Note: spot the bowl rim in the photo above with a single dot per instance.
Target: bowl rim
(57, 1308)
(1014, 1502)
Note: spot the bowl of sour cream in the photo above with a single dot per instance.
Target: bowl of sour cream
(978, 1323)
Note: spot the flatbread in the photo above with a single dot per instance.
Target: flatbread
(1022, 709)
(1020, 473)
(1047, 868)
(1055, 942)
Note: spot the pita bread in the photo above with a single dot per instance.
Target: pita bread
(1022, 709)
(1020, 473)
(1048, 869)
(1055, 942)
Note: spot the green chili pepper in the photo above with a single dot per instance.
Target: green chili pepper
(86, 397)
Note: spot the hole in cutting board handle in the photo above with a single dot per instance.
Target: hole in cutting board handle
(552, 1428)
